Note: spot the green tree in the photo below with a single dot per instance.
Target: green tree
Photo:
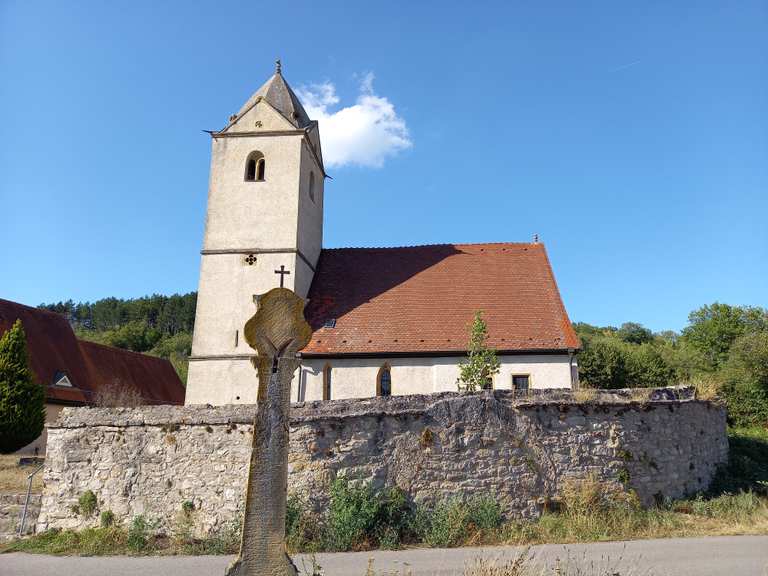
(177, 349)
(647, 368)
(22, 401)
(482, 363)
(745, 380)
(135, 335)
(585, 330)
(686, 361)
(603, 363)
(634, 333)
(714, 328)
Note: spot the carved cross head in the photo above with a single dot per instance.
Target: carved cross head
(278, 329)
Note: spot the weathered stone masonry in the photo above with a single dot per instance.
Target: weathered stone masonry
(150, 460)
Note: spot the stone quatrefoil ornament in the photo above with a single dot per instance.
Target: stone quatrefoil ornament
(277, 332)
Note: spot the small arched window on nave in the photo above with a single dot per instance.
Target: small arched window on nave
(384, 383)
(312, 186)
(254, 167)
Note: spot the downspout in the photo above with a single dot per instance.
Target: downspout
(574, 373)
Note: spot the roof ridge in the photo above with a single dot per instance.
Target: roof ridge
(435, 244)
(34, 308)
(142, 354)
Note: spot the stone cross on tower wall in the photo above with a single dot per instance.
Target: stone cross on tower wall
(277, 332)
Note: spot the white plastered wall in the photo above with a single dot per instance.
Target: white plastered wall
(225, 297)
(356, 377)
(274, 220)
(223, 381)
(249, 214)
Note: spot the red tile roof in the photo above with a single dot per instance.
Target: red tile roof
(53, 348)
(153, 377)
(421, 300)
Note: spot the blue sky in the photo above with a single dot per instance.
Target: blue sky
(631, 136)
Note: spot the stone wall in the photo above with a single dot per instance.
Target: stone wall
(11, 511)
(151, 460)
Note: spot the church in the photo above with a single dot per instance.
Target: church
(385, 321)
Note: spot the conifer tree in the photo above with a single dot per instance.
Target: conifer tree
(481, 364)
(22, 401)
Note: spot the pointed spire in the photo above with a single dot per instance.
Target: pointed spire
(279, 95)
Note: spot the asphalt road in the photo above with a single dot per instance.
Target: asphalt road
(716, 556)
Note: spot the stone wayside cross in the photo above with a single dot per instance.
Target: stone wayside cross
(277, 332)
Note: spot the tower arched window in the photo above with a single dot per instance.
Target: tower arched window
(254, 167)
(384, 382)
(312, 186)
(327, 382)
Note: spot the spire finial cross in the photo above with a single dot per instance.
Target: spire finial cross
(278, 66)
(282, 273)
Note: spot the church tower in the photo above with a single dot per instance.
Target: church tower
(263, 229)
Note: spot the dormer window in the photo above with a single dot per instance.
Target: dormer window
(61, 379)
(254, 167)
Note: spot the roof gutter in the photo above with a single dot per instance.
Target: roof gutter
(433, 353)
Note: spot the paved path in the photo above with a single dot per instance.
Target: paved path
(716, 556)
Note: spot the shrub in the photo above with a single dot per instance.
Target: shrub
(740, 506)
(485, 513)
(303, 531)
(352, 515)
(745, 377)
(138, 534)
(603, 363)
(22, 401)
(647, 368)
(359, 516)
(87, 503)
(446, 526)
(747, 467)
(107, 519)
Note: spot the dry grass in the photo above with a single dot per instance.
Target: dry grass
(584, 395)
(521, 563)
(707, 387)
(118, 395)
(13, 478)
(594, 512)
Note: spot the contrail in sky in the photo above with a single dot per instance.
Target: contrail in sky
(623, 66)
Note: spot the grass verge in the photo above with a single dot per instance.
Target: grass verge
(13, 478)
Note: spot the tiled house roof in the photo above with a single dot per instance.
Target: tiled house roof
(54, 349)
(421, 300)
(153, 377)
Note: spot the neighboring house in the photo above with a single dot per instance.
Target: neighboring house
(73, 371)
(385, 320)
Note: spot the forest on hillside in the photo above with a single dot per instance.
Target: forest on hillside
(156, 325)
(723, 348)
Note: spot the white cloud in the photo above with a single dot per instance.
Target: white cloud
(366, 133)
